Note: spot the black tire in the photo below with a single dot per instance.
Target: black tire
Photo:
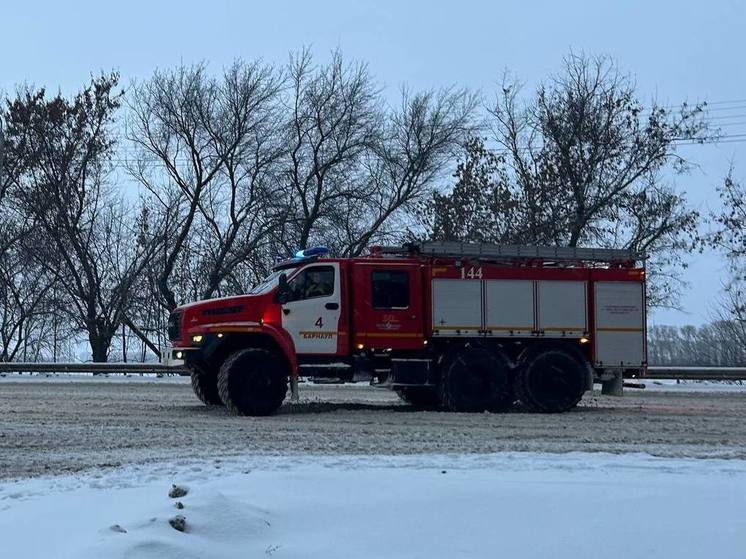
(253, 382)
(551, 381)
(420, 397)
(475, 379)
(205, 386)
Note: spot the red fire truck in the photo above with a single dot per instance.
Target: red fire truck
(450, 326)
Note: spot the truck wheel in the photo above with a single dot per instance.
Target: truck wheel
(420, 398)
(205, 386)
(551, 381)
(474, 380)
(253, 382)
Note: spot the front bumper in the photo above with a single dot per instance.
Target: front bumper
(176, 356)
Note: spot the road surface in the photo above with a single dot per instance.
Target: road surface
(53, 426)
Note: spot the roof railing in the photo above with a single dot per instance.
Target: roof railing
(488, 251)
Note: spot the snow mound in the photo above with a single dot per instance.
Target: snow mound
(217, 525)
(503, 505)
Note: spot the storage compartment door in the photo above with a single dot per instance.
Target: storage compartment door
(620, 328)
(509, 307)
(562, 308)
(457, 307)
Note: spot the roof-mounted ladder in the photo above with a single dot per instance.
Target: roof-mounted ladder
(490, 251)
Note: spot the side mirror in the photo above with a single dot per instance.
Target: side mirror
(283, 290)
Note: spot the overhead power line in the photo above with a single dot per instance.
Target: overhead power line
(725, 139)
(708, 109)
(732, 101)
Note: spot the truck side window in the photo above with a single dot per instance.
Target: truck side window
(390, 289)
(316, 281)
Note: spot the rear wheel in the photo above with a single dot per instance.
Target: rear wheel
(253, 382)
(205, 386)
(475, 379)
(551, 381)
(420, 397)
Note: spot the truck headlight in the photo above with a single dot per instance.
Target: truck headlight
(197, 339)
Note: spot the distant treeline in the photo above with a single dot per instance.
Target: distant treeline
(718, 344)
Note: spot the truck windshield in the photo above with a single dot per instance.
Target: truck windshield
(268, 283)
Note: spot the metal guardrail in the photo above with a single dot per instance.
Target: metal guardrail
(653, 373)
(95, 368)
(696, 373)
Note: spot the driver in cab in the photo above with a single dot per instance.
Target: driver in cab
(316, 285)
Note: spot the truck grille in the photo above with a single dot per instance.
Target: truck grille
(174, 326)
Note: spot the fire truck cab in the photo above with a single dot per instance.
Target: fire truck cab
(451, 326)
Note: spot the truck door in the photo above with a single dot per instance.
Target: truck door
(311, 314)
(388, 306)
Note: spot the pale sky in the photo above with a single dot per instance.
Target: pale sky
(677, 50)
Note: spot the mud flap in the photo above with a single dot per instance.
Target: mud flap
(410, 372)
(614, 386)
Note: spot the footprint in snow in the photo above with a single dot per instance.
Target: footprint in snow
(177, 491)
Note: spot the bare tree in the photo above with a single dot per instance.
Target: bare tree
(24, 302)
(730, 311)
(243, 167)
(418, 144)
(13, 163)
(333, 123)
(88, 244)
(582, 162)
(355, 165)
(730, 224)
(729, 237)
(208, 152)
(27, 301)
(481, 207)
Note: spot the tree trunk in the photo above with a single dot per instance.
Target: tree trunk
(99, 347)
(156, 349)
(124, 345)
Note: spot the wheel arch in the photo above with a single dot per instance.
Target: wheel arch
(451, 348)
(231, 342)
(570, 347)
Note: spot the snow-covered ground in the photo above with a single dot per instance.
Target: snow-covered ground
(658, 385)
(89, 377)
(295, 496)
(694, 385)
(502, 505)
